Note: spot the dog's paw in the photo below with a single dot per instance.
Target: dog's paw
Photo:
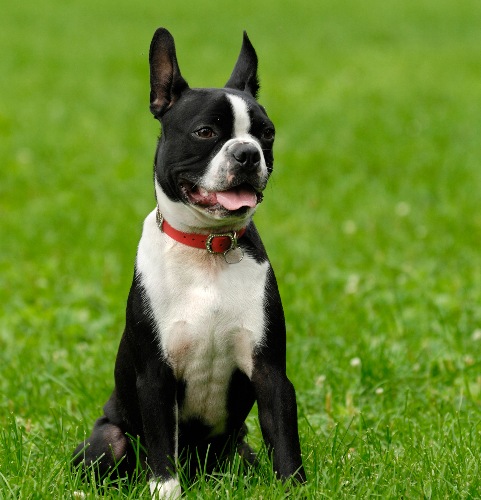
(168, 490)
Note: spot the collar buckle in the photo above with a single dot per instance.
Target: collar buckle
(232, 235)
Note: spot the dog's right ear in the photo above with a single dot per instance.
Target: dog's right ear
(244, 77)
(166, 82)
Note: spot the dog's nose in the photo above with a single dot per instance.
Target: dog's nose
(246, 154)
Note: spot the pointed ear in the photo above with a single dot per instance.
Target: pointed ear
(244, 77)
(166, 82)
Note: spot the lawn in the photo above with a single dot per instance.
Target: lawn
(372, 221)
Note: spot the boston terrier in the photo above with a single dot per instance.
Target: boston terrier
(205, 334)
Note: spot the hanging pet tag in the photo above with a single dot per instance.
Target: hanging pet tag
(234, 255)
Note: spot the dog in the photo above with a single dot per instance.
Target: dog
(205, 333)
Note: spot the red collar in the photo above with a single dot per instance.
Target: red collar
(215, 243)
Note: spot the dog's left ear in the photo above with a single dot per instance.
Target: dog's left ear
(244, 77)
(166, 82)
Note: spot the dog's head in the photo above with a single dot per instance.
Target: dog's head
(214, 155)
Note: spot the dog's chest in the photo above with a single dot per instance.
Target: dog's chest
(209, 318)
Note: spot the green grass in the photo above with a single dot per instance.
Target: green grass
(372, 222)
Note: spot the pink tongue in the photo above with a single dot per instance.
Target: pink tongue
(237, 198)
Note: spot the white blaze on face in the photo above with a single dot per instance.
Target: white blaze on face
(242, 121)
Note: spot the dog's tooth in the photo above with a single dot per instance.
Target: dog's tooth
(203, 192)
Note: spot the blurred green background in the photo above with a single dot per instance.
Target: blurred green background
(371, 219)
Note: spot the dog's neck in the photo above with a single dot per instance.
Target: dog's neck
(214, 243)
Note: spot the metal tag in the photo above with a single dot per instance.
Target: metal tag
(234, 255)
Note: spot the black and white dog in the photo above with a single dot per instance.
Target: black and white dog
(205, 335)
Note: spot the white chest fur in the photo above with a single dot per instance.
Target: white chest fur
(208, 314)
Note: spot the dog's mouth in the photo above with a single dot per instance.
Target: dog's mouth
(241, 197)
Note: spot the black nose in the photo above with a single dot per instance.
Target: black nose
(246, 154)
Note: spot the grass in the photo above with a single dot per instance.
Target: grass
(372, 222)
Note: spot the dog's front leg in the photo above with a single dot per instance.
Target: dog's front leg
(170, 490)
(156, 389)
(276, 401)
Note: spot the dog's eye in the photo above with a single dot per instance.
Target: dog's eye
(205, 133)
(268, 134)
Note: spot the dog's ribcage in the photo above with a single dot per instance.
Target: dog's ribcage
(209, 317)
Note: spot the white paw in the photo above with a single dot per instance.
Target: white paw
(165, 490)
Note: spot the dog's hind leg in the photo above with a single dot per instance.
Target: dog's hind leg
(244, 450)
(247, 454)
(107, 452)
